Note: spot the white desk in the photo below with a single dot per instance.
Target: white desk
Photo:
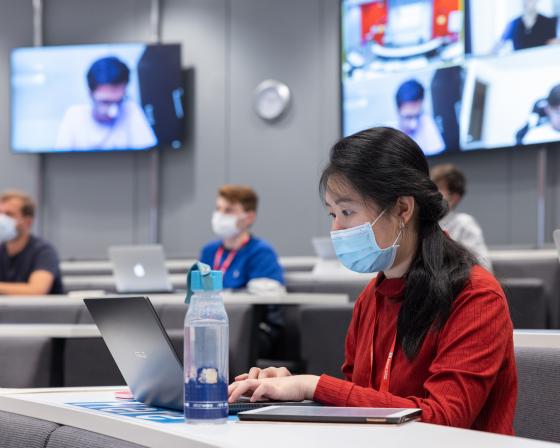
(537, 338)
(229, 298)
(55, 331)
(180, 266)
(50, 405)
(525, 254)
(343, 277)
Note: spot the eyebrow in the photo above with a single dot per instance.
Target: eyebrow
(340, 201)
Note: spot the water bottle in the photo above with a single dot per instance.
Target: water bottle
(206, 350)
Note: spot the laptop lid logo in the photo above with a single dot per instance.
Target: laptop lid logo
(139, 270)
(141, 355)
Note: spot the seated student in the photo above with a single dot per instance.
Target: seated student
(549, 130)
(433, 330)
(28, 264)
(241, 256)
(462, 227)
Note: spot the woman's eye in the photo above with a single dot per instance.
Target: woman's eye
(332, 215)
(347, 212)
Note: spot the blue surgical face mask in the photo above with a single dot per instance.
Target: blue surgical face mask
(357, 249)
(8, 230)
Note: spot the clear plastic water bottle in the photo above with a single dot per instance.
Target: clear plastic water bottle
(206, 350)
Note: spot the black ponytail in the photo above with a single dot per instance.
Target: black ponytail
(383, 164)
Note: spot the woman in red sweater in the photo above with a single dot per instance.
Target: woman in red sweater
(433, 330)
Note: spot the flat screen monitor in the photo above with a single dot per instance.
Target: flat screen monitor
(455, 75)
(109, 97)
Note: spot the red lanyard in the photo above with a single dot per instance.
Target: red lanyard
(386, 378)
(218, 266)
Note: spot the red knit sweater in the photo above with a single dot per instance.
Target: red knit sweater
(464, 375)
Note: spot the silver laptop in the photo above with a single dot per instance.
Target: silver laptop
(323, 248)
(139, 269)
(145, 355)
(556, 237)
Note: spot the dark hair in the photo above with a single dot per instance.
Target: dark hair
(553, 99)
(383, 164)
(409, 91)
(109, 70)
(451, 176)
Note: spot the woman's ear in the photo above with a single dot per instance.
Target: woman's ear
(404, 208)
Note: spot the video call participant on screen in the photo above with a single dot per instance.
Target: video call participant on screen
(28, 264)
(529, 30)
(550, 129)
(413, 340)
(413, 121)
(244, 259)
(462, 227)
(111, 120)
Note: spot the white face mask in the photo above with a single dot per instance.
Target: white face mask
(225, 226)
(8, 230)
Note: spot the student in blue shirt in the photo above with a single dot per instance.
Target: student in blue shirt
(242, 257)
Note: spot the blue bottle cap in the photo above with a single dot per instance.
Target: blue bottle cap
(201, 277)
(211, 281)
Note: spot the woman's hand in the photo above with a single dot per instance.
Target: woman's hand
(284, 388)
(258, 374)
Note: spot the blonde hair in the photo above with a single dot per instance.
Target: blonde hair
(240, 194)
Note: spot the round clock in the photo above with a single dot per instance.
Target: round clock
(271, 99)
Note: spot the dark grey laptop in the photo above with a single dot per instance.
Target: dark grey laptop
(139, 269)
(144, 354)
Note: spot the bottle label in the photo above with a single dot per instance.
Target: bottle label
(206, 395)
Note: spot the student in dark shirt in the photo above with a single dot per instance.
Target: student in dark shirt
(28, 264)
(529, 30)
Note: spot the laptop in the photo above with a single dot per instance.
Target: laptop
(144, 354)
(323, 248)
(556, 237)
(139, 269)
(328, 264)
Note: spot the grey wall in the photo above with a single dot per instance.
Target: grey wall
(91, 201)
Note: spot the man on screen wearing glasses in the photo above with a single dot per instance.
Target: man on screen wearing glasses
(413, 121)
(111, 120)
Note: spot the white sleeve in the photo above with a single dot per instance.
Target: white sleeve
(472, 238)
(141, 133)
(65, 137)
(432, 140)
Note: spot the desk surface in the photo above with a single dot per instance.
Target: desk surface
(537, 338)
(104, 267)
(56, 331)
(229, 298)
(326, 278)
(50, 405)
(289, 263)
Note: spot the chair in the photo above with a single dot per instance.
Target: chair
(526, 300)
(67, 437)
(538, 406)
(323, 335)
(18, 431)
(27, 362)
(545, 268)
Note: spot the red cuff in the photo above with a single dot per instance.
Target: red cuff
(332, 391)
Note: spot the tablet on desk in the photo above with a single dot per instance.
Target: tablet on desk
(245, 404)
(326, 414)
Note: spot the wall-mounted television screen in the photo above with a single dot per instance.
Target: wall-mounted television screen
(108, 97)
(455, 75)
